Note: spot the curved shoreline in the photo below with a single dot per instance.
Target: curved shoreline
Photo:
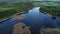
(14, 15)
(50, 15)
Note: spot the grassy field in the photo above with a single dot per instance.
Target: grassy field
(7, 10)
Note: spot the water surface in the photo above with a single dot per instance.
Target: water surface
(34, 18)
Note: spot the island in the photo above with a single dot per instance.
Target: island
(18, 17)
(21, 28)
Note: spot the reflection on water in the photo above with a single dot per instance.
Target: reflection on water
(33, 18)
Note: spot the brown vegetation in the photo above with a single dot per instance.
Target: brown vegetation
(21, 28)
(19, 17)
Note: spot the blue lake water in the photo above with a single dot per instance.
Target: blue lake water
(34, 18)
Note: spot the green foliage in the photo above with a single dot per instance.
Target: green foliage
(50, 31)
(8, 10)
(53, 10)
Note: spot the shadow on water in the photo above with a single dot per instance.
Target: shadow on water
(53, 17)
(33, 18)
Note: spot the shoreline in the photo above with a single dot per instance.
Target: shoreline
(13, 15)
(50, 15)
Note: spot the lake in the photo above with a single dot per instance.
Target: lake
(34, 18)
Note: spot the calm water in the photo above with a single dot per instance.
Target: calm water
(34, 18)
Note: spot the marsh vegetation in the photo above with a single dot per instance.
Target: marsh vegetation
(9, 9)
